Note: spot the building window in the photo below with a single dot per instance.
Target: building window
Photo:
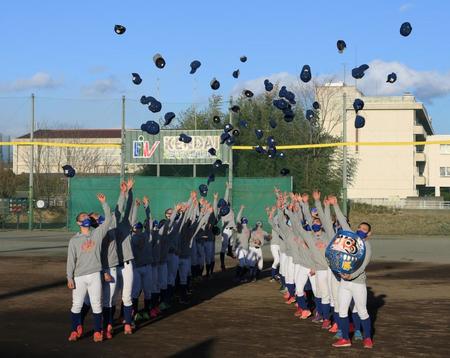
(445, 148)
(445, 171)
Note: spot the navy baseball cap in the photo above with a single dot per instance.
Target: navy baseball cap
(358, 105)
(151, 127)
(235, 108)
(68, 171)
(236, 132)
(243, 59)
(273, 123)
(228, 127)
(309, 114)
(391, 78)
(341, 45)
(281, 104)
(288, 115)
(216, 119)
(268, 85)
(194, 66)
(259, 149)
(168, 118)
(243, 123)
(359, 121)
(217, 164)
(405, 29)
(236, 73)
(145, 100)
(211, 178)
(305, 75)
(159, 61)
(212, 151)
(358, 72)
(185, 138)
(316, 105)
(248, 93)
(224, 137)
(214, 84)
(119, 29)
(259, 133)
(284, 171)
(137, 80)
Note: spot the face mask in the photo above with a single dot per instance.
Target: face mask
(101, 220)
(86, 223)
(244, 221)
(316, 227)
(307, 227)
(361, 234)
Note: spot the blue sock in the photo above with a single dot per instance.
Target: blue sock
(76, 320)
(336, 318)
(97, 322)
(318, 302)
(127, 310)
(84, 311)
(301, 301)
(367, 329)
(283, 281)
(356, 321)
(326, 310)
(344, 326)
(273, 272)
(107, 316)
(308, 286)
(291, 289)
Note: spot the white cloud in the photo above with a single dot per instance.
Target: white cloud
(40, 80)
(426, 85)
(406, 7)
(97, 69)
(101, 86)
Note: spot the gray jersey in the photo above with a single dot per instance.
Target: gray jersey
(257, 237)
(359, 276)
(242, 236)
(123, 231)
(84, 251)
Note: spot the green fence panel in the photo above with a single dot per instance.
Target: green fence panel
(164, 192)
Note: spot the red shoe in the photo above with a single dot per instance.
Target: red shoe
(158, 311)
(305, 314)
(127, 329)
(326, 324)
(367, 343)
(290, 300)
(153, 313)
(98, 337)
(73, 336)
(298, 313)
(79, 330)
(351, 328)
(108, 334)
(342, 343)
(334, 328)
(286, 295)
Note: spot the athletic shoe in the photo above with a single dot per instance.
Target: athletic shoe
(357, 336)
(153, 313)
(334, 328)
(367, 343)
(163, 306)
(73, 336)
(108, 333)
(137, 317)
(338, 334)
(283, 290)
(290, 300)
(305, 314)
(342, 343)
(326, 324)
(79, 330)
(98, 337)
(127, 329)
(145, 316)
(317, 318)
(158, 310)
(272, 279)
(298, 313)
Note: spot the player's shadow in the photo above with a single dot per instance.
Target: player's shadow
(200, 350)
(34, 289)
(374, 304)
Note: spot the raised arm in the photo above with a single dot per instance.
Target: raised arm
(227, 192)
(305, 208)
(239, 216)
(326, 223)
(339, 216)
(134, 212)
(100, 231)
(119, 210)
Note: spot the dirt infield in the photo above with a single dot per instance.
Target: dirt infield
(409, 304)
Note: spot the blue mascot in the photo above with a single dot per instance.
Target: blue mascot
(346, 252)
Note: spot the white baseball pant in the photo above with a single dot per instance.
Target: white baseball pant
(275, 250)
(87, 284)
(226, 239)
(302, 274)
(125, 281)
(357, 291)
(290, 270)
(110, 288)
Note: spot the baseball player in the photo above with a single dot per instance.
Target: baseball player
(241, 242)
(274, 249)
(353, 286)
(125, 254)
(224, 211)
(255, 257)
(142, 271)
(84, 270)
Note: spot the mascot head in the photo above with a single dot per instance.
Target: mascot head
(346, 252)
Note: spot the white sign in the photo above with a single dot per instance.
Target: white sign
(40, 204)
(196, 149)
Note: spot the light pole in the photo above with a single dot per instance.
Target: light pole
(30, 183)
(230, 164)
(344, 156)
(122, 147)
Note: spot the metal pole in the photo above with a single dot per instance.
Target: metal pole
(122, 148)
(344, 156)
(68, 206)
(230, 165)
(30, 184)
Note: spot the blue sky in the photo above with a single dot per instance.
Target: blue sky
(68, 54)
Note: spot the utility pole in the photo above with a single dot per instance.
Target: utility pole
(344, 156)
(30, 184)
(122, 147)
(230, 164)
